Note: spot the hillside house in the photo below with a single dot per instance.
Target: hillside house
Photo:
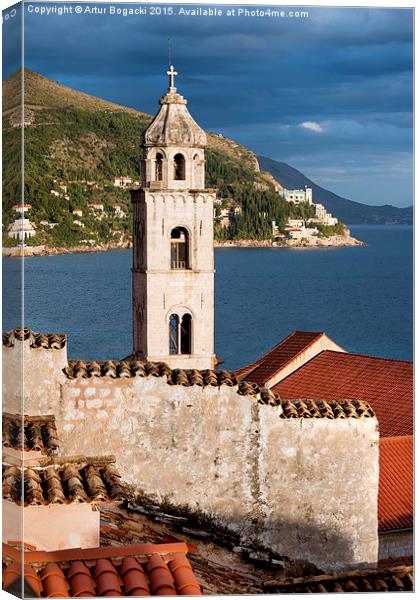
(22, 208)
(118, 212)
(324, 216)
(297, 196)
(123, 182)
(297, 230)
(48, 224)
(22, 228)
(97, 209)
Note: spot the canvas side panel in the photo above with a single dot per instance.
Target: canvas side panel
(12, 259)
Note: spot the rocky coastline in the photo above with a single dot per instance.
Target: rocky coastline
(329, 242)
(334, 241)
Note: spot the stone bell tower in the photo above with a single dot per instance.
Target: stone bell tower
(173, 266)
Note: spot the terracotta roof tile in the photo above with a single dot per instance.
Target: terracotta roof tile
(132, 570)
(50, 341)
(13, 573)
(277, 358)
(217, 568)
(385, 384)
(306, 409)
(396, 561)
(161, 580)
(395, 501)
(186, 377)
(191, 377)
(71, 479)
(396, 579)
(80, 580)
(30, 433)
(54, 582)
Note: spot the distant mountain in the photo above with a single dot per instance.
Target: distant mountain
(347, 211)
(76, 144)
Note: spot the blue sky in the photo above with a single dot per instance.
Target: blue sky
(330, 94)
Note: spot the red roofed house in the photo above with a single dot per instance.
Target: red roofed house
(311, 366)
(290, 354)
(135, 570)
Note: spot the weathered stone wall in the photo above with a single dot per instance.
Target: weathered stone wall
(306, 488)
(396, 544)
(319, 482)
(32, 378)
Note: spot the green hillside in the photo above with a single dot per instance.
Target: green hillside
(85, 142)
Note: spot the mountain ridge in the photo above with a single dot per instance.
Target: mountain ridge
(76, 145)
(85, 142)
(347, 211)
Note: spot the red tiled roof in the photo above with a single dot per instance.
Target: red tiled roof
(396, 579)
(135, 570)
(395, 561)
(395, 501)
(385, 384)
(22, 432)
(62, 480)
(278, 357)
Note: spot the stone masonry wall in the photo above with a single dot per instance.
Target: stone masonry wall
(306, 488)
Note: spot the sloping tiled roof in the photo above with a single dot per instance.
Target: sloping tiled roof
(277, 358)
(395, 561)
(395, 501)
(396, 579)
(137, 570)
(50, 341)
(385, 384)
(22, 432)
(217, 568)
(65, 480)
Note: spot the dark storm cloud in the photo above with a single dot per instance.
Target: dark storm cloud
(349, 71)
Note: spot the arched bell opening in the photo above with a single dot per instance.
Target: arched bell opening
(173, 334)
(159, 167)
(179, 167)
(180, 334)
(180, 251)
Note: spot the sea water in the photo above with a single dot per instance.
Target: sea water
(360, 296)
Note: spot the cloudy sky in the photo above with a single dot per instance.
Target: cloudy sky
(330, 94)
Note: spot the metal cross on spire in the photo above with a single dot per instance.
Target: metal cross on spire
(172, 73)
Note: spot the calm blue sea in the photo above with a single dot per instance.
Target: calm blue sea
(361, 297)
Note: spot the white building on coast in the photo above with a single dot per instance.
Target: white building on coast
(22, 228)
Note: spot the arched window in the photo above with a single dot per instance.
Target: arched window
(180, 248)
(185, 334)
(159, 167)
(173, 334)
(179, 167)
(180, 333)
